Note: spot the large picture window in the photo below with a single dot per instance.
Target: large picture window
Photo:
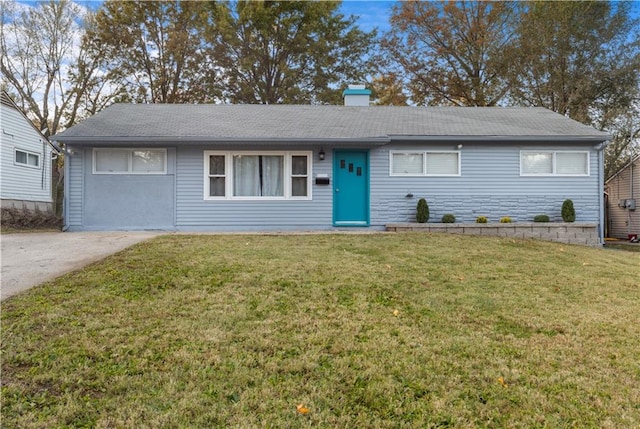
(424, 163)
(129, 161)
(251, 175)
(28, 159)
(554, 163)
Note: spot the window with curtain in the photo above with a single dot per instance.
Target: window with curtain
(248, 175)
(424, 163)
(129, 161)
(560, 163)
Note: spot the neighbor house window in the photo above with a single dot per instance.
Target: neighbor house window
(28, 159)
(424, 163)
(554, 163)
(129, 161)
(252, 175)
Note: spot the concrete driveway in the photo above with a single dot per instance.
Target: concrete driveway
(33, 258)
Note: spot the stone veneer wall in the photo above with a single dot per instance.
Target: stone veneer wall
(585, 234)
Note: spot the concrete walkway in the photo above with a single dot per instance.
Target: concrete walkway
(30, 259)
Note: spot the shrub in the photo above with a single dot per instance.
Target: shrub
(505, 219)
(28, 219)
(482, 219)
(568, 212)
(448, 218)
(423, 211)
(541, 218)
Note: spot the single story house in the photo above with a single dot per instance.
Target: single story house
(25, 161)
(289, 167)
(623, 190)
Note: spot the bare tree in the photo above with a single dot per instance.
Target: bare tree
(47, 63)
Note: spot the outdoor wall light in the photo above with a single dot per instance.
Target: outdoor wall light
(459, 146)
(321, 154)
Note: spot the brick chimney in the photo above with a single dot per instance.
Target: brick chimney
(356, 95)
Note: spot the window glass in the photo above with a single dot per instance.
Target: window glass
(112, 161)
(299, 186)
(407, 163)
(217, 186)
(258, 175)
(21, 157)
(148, 161)
(537, 163)
(216, 165)
(299, 165)
(442, 163)
(571, 163)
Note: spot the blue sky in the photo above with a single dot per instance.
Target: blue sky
(370, 13)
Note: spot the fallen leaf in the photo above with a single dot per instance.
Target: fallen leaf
(388, 266)
(302, 409)
(562, 249)
(460, 278)
(396, 312)
(585, 264)
(502, 382)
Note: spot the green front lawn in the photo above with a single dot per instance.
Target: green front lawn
(363, 331)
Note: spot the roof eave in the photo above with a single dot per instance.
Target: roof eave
(79, 140)
(510, 139)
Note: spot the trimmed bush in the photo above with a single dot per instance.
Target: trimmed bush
(541, 218)
(568, 212)
(482, 219)
(423, 211)
(448, 218)
(505, 219)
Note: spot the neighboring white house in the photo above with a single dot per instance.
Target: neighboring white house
(623, 192)
(25, 161)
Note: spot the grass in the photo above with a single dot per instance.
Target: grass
(365, 331)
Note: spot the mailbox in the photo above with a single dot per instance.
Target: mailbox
(322, 179)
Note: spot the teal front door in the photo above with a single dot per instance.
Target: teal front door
(350, 188)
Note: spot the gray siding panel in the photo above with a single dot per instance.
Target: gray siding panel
(193, 211)
(490, 185)
(75, 189)
(19, 182)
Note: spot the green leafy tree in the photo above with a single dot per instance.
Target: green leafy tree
(579, 59)
(157, 50)
(288, 51)
(455, 53)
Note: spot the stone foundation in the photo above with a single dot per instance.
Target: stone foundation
(585, 234)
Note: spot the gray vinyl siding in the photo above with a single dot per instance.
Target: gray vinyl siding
(74, 186)
(193, 212)
(490, 185)
(20, 182)
(623, 222)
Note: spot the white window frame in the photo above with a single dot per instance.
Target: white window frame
(229, 174)
(129, 151)
(27, 153)
(425, 155)
(553, 154)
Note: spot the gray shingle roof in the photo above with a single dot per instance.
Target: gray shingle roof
(209, 122)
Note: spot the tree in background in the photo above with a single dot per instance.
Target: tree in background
(157, 50)
(579, 59)
(453, 53)
(292, 52)
(388, 90)
(45, 65)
